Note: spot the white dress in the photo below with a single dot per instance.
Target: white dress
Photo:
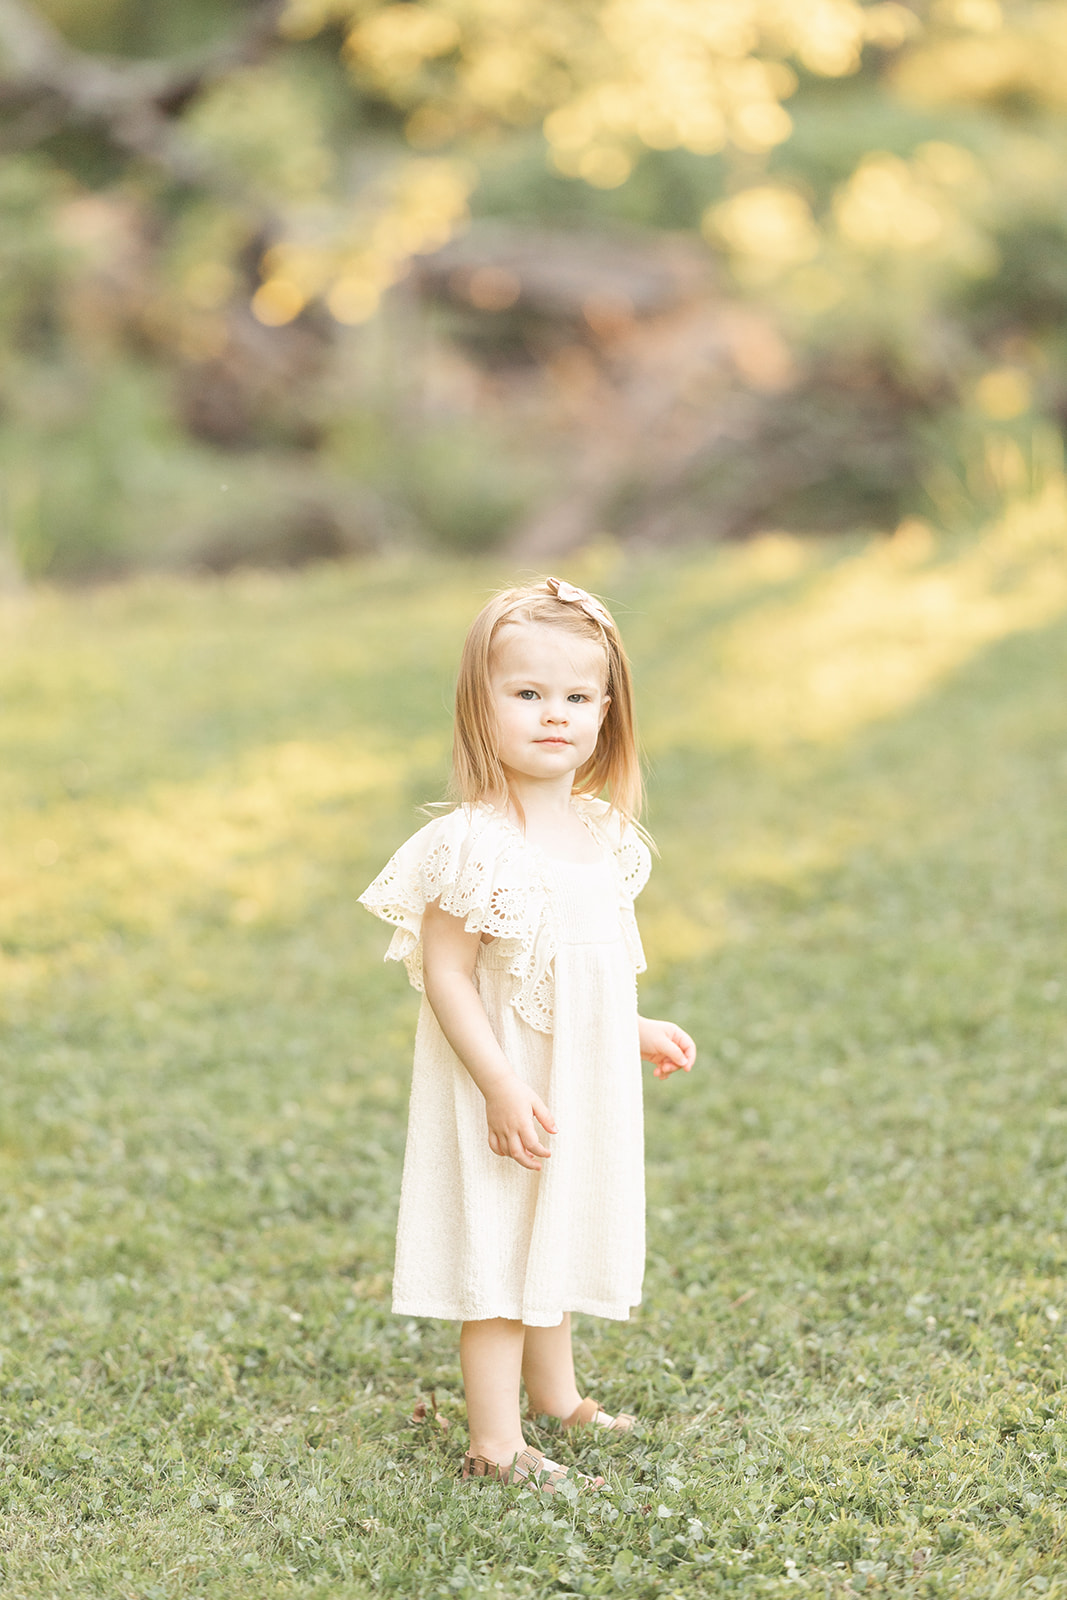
(479, 1236)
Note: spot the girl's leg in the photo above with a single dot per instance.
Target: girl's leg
(491, 1355)
(548, 1370)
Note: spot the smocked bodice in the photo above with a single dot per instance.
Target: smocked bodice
(585, 899)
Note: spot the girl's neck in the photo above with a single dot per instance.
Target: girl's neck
(548, 802)
(547, 816)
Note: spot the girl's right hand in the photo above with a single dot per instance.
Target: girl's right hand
(510, 1110)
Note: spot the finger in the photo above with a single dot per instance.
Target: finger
(530, 1142)
(543, 1115)
(529, 1130)
(680, 1047)
(517, 1152)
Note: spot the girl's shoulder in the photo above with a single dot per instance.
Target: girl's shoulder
(462, 851)
(455, 828)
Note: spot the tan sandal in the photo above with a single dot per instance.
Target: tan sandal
(590, 1412)
(531, 1468)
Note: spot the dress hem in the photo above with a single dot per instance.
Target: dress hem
(612, 1311)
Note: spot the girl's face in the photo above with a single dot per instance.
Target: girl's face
(549, 699)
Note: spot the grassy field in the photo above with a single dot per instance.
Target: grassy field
(850, 1361)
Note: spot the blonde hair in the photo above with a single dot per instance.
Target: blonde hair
(614, 766)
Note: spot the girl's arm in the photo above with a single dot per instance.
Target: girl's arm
(667, 1046)
(448, 956)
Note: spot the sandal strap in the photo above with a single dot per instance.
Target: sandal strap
(545, 1474)
(528, 1463)
(590, 1410)
(529, 1467)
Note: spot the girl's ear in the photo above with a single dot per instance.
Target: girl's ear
(603, 711)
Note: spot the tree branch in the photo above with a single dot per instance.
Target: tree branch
(136, 103)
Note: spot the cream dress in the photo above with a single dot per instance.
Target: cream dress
(478, 1235)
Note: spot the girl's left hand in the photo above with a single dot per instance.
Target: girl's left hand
(668, 1047)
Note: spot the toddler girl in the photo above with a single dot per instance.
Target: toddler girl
(523, 1191)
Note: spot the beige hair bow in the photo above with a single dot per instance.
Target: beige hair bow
(578, 597)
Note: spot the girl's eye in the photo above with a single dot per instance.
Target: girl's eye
(527, 694)
(577, 697)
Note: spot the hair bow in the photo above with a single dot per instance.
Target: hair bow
(578, 597)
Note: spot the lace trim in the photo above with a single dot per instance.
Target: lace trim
(479, 867)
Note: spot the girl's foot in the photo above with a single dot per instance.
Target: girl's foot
(529, 1467)
(589, 1412)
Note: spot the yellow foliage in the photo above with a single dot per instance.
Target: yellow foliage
(882, 207)
(606, 79)
(766, 228)
(431, 198)
(923, 207)
(826, 35)
(948, 164)
(417, 208)
(890, 25)
(395, 42)
(1004, 393)
(353, 299)
(723, 27)
(978, 53)
(683, 77)
(760, 124)
(277, 301)
(979, 16)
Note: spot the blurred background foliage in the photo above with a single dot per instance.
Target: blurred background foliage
(305, 278)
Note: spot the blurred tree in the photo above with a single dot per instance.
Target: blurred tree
(203, 197)
(49, 86)
(239, 122)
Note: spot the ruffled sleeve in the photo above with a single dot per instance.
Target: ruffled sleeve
(477, 868)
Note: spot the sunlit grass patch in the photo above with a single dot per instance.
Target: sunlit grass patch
(850, 1361)
(869, 635)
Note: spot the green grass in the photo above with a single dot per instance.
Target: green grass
(849, 1365)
